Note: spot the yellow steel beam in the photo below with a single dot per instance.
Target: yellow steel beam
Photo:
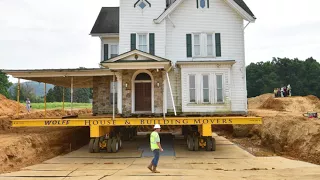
(206, 130)
(137, 121)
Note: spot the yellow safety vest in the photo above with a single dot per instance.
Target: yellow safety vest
(154, 136)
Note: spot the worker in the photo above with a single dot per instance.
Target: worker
(155, 148)
(281, 91)
(289, 90)
(28, 104)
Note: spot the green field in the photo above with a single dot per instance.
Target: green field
(58, 105)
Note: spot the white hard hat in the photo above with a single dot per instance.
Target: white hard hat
(156, 126)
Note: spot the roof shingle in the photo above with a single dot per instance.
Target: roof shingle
(107, 21)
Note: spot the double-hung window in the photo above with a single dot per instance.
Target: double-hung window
(113, 90)
(197, 45)
(192, 88)
(209, 45)
(142, 42)
(203, 45)
(114, 50)
(219, 86)
(205, 89)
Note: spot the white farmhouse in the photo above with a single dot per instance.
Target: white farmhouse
(199, 43)
(159, 59)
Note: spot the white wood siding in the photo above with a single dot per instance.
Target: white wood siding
(219, 18)
(135, 20)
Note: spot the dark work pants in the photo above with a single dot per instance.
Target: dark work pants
(156, 155)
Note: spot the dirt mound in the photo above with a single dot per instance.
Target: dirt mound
(25, 146)
(292, 136)
(256, 102)
(9, 107)
(274, 104)
(295, 104)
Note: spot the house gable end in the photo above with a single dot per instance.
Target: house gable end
(237, 5)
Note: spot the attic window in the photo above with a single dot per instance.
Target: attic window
(203, 4)
(142, 4)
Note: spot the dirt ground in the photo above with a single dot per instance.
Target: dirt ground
(20, 147)
(285, 131)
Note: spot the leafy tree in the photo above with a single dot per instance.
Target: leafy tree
(50, 96)
(82, 95)
(303, 76)
(4, 85)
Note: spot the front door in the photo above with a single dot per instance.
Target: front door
(143, 93)
(143, 96)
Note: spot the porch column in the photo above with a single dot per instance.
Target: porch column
(71, 98)
(119, 92)
(164, 99)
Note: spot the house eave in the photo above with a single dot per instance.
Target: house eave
(224, 62)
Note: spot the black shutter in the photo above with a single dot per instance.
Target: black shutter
(105, 51)
(197, 4)
(133, 41)
(189, 45)
(218, 45)
(151, 43)
(208, 3)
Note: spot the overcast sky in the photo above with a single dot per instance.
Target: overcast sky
(38, 34)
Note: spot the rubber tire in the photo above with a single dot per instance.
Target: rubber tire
(213, 144)
(120, 142)
(191, 144)
(209, 144)
(114, 145)
(96, 145)
(196, 143)
(109, 142)
(91, 142)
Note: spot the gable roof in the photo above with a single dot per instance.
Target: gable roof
(152, 58)
(244, 6)
(136, 59)
(239, 5)
(107, 21)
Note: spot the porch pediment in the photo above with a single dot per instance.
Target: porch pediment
(136, 59)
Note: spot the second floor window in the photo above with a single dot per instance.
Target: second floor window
(203, 45)
(114, 50)
(196, 44)
(142, 42)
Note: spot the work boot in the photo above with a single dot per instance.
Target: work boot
(154, 170)
(150, 167)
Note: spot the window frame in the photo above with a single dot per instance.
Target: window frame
(109, 49)
(195, 89)
(213, 44)
(208, 88)
(138, 41)
(216, 88)
(193, 45)
(203, 37)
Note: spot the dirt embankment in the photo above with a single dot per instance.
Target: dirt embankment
(21, 147)
(284, 130)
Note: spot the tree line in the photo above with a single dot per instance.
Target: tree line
(262, 77)
(302, 75)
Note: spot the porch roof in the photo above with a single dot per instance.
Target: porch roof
(136, 59)
(82, 78)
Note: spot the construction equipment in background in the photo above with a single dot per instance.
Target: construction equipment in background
(311, 115)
